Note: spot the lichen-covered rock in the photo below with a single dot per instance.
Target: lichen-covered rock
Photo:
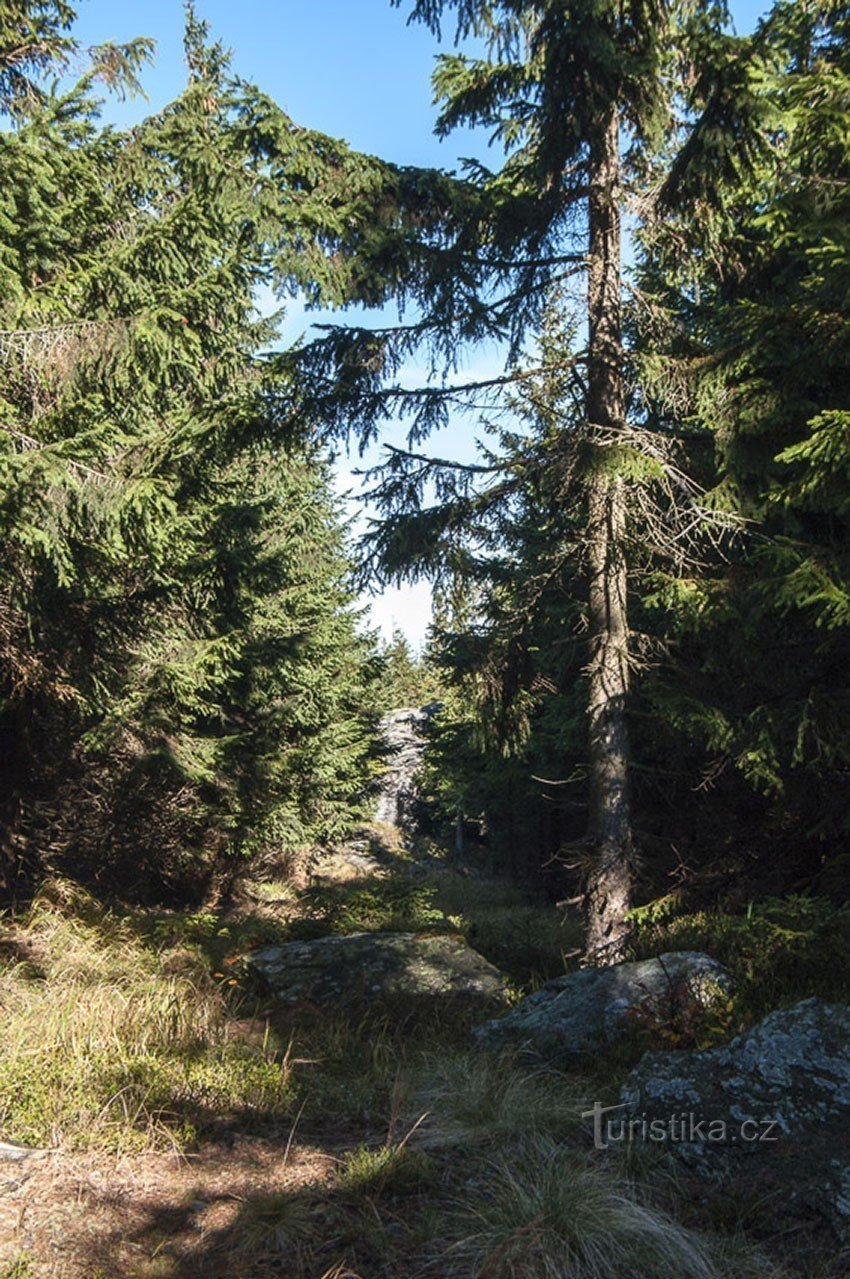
(365, 968)
(403, 733)
(579, 1013)
(770, 1109)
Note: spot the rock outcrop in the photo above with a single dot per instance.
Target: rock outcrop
(365, 968)
(769, 1111)
(403, 735)
(581, 1012)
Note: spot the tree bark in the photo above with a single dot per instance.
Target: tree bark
(608, 885)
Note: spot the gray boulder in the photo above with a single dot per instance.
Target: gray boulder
(403, 734)
(770, 1110)
(579, 1013)
(365, 968)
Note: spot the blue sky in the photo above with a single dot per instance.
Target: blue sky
(352, 68)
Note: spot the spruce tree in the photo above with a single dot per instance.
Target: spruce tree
(746, 339)
(579, 96)
(182, 681)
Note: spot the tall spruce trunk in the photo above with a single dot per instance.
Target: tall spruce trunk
(608, 885)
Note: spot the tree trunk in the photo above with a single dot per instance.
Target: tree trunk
(459, 841)
(608, 888)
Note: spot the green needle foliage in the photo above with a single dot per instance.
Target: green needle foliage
(655, 533)
(580, 98)
(182, 683)
(746, 338)
(734, 460)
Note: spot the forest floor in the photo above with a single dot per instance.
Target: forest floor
(181, 1127)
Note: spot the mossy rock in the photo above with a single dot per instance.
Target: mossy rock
(574, 1016)
(366, 968)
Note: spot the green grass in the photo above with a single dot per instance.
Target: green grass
(530, 940)
(126, 1031)
(473, 1098)
(23, 1267)
(388, 1170)
(491, 1180)
(109, 1043)
(379, 905)
(544, 1211)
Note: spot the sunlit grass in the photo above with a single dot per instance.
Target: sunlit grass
(531, 941)
(123, 1032)
(473, 1097)
(107, 1042)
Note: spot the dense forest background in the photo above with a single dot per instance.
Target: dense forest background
(185, 684)
(737, 364)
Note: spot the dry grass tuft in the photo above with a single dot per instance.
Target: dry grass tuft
(109, 1043)
(543, 1211)
(473, 1097)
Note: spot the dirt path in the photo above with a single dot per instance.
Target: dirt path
(272, 1195)
(87, 1216)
